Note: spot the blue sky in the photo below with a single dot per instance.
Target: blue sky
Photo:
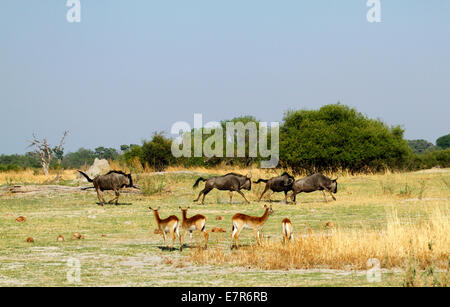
(134, 67)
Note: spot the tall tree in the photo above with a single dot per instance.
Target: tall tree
(46, 152)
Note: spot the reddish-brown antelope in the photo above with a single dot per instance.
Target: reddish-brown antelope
(241, 221)
(287, 230)
(168, 225)
(196, 222)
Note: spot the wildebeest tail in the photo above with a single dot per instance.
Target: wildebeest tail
(198, 180)
(86, 176)
(261, 180)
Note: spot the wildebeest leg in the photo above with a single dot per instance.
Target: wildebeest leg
(265, 190)
(100, 196)
(115, 199)
(200, 194)
(334, 198)
(231, 197)
(324, 196)
(293, 197)
(205, 191)
(239, 191)
(285, 197)
(270, 194)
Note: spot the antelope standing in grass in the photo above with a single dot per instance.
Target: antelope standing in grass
(168, 225)
(241, 221)
(196, 222)
(287, 230)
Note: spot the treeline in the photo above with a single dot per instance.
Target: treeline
(335, 137)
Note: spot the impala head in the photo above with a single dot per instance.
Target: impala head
(269, 209)
(154, 210)
(184, 210)
(334, 185)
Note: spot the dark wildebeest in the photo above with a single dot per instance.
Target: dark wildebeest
(112, 181)
(281, 183)
(316, 182)
(231, 182)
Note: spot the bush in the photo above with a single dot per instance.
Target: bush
(337, 137)
(157, 153)
(443, 142)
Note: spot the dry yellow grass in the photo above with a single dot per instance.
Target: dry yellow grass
(426, 243)
(30, 176)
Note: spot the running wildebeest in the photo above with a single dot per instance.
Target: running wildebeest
(112, 181)
(316, 182)
(281, 183)
(232, 182)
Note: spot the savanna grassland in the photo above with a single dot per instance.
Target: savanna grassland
(401, 219)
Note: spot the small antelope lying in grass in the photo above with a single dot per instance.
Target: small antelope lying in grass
(168, 225)
(241, 221)
(287, 230)
(196, 222)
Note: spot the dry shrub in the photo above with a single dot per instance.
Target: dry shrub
(427, 243)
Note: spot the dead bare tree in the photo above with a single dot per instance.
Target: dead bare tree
(45, 152)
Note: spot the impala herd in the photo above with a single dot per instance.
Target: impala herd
(234, 183)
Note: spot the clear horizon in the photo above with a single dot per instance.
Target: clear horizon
(129, 69)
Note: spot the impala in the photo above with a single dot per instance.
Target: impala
(168, 225)
(287, 230)
(196, 222)
(241, 221)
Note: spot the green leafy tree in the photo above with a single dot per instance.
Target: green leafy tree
(106, 153)
(157, 152)
(79, 158)
(443, 142)
(338, 137)
(420, 146)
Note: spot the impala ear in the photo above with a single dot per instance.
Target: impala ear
(157, 209)
(188, 207)
(150, 208)
(180, 207)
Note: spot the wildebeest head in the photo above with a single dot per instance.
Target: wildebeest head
(248, 183)
(334, 185)
(288, 180)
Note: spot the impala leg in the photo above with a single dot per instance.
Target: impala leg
(164, 237)
(206, 238)
(173, 238)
